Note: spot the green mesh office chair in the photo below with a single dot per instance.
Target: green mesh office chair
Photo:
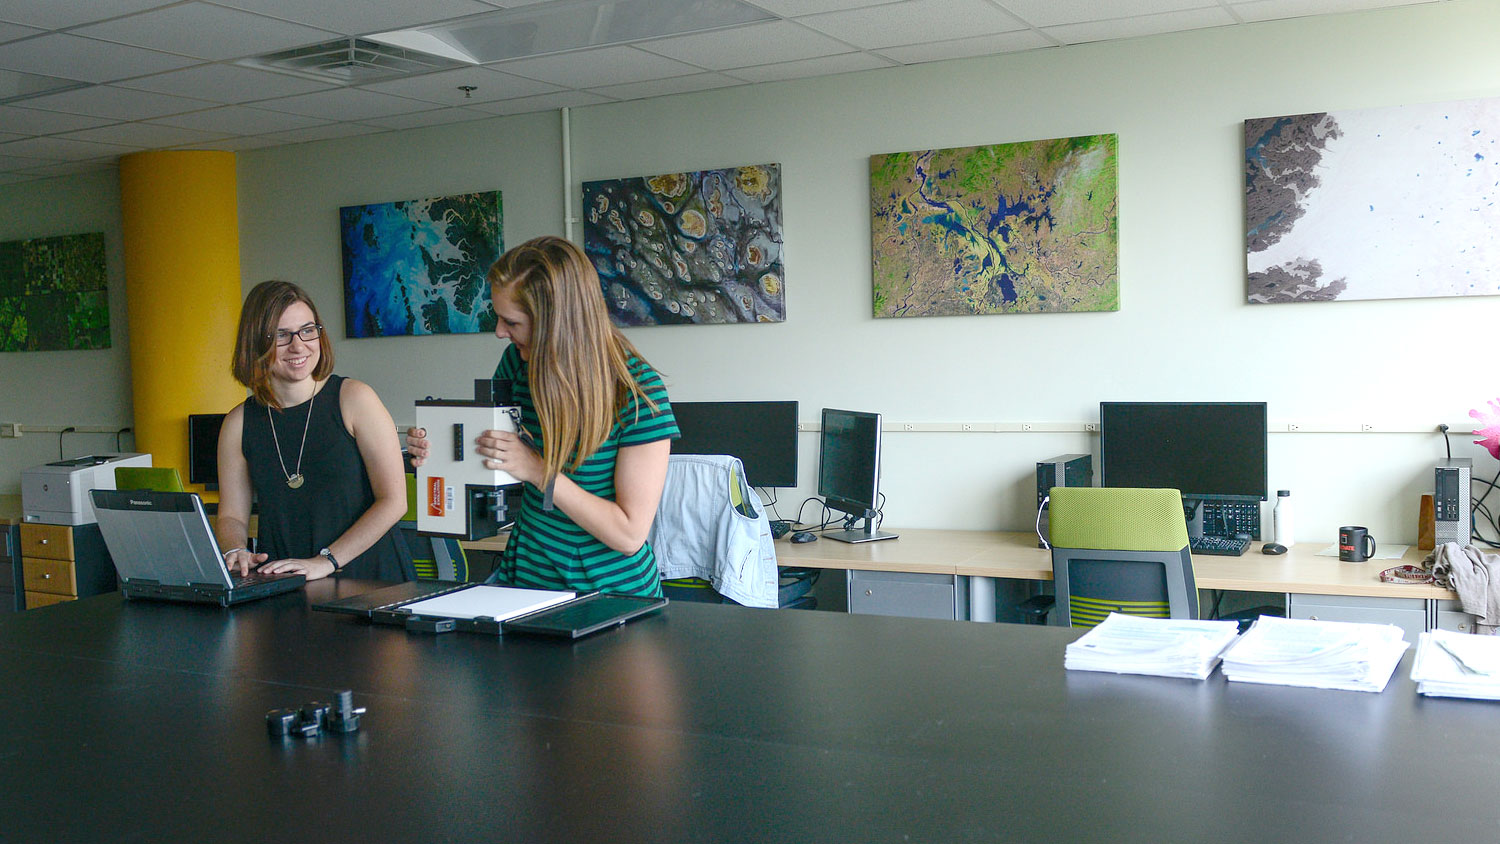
(434, 557)
(1120, 550)
(154, 478)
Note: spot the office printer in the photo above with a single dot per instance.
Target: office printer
(456, 495)
(58, 493)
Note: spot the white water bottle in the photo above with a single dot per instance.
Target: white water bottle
(1282, 517)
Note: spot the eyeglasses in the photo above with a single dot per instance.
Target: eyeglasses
(306, 334)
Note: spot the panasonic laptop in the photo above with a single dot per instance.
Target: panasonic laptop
(163, 549)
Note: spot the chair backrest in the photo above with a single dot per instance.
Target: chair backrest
(1120, 550)
(434, 557)
(154, 478)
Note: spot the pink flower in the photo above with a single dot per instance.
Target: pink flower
(1488, 427)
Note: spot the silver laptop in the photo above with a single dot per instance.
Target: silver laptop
(164, 549)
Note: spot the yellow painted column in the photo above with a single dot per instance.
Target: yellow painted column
(182, 288)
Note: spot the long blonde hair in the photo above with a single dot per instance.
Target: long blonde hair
(579, 365)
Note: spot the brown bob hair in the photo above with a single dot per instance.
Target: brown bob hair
(255, 343)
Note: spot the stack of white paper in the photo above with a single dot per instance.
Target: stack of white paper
(1450, 664)
(1321, 654)
(1166, 647)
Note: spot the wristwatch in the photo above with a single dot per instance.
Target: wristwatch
(328, 555)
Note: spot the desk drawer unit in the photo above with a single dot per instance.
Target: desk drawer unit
(63, 562)
(1410, 614)
(909, 595)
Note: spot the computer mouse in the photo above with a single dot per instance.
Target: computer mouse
(1272, 548)
(804, 536)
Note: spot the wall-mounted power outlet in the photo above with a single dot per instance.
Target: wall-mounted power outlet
(10, 429)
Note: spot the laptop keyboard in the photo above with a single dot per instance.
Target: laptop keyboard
(252, 579)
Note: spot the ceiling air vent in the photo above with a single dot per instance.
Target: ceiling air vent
(350, 61)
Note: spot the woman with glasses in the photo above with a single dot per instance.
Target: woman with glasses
(596, 429)
(318, 451)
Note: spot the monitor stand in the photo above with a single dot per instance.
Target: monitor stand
(869, 534)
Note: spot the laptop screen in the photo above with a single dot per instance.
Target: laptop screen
(159, 536)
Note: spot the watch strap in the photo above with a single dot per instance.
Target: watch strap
(328, 555)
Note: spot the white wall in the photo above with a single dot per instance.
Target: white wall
(1183, 331)
(63, 388)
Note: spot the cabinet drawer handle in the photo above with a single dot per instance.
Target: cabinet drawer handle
(44, 541)
(1312, 618)
(47, 575)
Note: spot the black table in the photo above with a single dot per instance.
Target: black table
(133, 721)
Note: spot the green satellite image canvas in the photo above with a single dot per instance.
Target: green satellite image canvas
(53, 294)
(1029, 227)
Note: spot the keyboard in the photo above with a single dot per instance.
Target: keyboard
(1224, 546)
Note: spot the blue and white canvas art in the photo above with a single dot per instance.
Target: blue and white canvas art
(417, 266)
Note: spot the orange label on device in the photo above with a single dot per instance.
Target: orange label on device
(435, 498)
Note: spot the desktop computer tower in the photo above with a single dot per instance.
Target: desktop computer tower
(1452, 500)
(1062, 470)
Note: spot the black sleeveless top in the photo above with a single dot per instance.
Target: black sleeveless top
(336, 491)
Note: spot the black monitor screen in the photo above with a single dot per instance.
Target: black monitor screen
(1201, 449)
(203, 448)
(849, 460)
(762, 434)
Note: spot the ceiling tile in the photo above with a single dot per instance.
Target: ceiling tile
(545, 102)
(847, 63)
(1079, 33)
(234, 144)
(442, 87)
(37, 122)
(62, 149)
(599, 66)
(17, 162)
(226, 83)
(346, 104)
(1266, 10)
(984, 45)
(790, 8)
(57, 14)
(436, 117)
(915, 21)
(763, 43)
(240, 120)
(208, 32)
(143, 135)
(116, 103)
(363, 17)
(1041, 13)
(72, 57)
(666, 87)
(11, 31)
(323, 133)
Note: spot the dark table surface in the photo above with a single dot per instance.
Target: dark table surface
(137, 721)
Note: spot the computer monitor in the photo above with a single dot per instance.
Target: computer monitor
(203, 448)
(1214, 453)
(762, 434)
(849, 470)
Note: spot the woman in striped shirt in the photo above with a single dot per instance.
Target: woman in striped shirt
(596, 428)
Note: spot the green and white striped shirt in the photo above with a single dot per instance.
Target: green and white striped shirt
(546, 550)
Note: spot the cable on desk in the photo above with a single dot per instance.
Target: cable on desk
(68, 430)
(125, 430)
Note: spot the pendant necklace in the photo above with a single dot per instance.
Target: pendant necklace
(294, 479)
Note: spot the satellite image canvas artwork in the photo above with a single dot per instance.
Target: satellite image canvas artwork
(1028, 227)
(689, 248)
(54, 294)
(1380, 203)
(417, 266)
